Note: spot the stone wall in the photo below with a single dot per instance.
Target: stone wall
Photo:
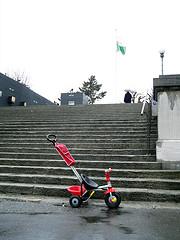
(168, 144)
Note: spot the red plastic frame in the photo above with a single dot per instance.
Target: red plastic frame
(76, 190)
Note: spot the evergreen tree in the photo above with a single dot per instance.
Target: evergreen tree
(91, 89)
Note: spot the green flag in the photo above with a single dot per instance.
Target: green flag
(121, 48)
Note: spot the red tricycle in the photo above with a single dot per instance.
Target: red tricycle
(83, 192)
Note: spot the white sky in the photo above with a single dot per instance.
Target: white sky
(61, 43)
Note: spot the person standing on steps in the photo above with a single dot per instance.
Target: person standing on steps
(127, 97)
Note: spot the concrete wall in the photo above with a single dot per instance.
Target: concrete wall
(168, 144)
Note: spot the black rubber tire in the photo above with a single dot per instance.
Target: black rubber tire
(108, 200)
(75, 201)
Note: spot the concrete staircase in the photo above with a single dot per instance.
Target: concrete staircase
(98, 137)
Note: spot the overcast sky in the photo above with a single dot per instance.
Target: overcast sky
(61, 43)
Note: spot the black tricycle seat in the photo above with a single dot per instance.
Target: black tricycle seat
(89, 184)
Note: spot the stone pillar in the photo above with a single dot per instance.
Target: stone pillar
(167, 94)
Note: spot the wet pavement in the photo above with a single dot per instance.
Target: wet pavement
(56, 220)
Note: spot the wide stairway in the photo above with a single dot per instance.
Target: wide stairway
(98, 137)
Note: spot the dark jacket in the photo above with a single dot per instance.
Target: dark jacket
(127, 97)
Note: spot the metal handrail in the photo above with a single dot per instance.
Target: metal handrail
(144, 104)
(148, 116)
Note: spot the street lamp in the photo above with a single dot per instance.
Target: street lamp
(162, 57)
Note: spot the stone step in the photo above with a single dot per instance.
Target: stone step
(54, 108)
(78, 129)
(74, 118)
(131, 194)
(98, 114)
(128, 173)
(95, 108)
(77, 110)
(78, 151)
(79, 132)
(74, 122)
(72, 180)
(80, 137)
(72, 112)
(102, 141)
(90, 110)
(86, 123)
(79, 116)
(30, 144)
(83, 120)
(105, 157)
(77, 123)
(81, 163)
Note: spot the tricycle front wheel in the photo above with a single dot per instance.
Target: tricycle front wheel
(75, 201)
(112, 200)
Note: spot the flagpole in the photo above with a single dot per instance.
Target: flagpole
(120, 49)
(116, 71)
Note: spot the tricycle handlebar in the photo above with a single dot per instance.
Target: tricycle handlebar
(109, 170)
(51, 138)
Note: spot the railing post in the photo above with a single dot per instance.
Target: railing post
(148, 119)
(149, 116)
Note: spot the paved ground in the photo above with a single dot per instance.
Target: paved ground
(36, 218)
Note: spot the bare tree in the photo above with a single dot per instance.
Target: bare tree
(20, 77)
(140, 97)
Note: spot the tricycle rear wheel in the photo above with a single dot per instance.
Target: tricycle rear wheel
(112, 200)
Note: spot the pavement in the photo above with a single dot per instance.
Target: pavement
(51, 218)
